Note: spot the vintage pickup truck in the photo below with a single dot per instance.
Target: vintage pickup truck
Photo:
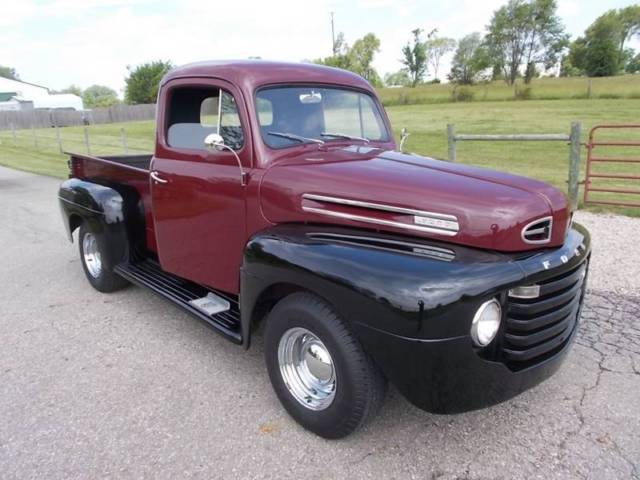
(276, 198)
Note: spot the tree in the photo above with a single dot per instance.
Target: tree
(361, 58)
(634, 65)
(437, 47)
(629, 18)
(357, 59)
(525, 33)
(8, 72)
(401, 77)
(72, 89)
(573, 64)
(99, 96)
(601, 51)
(470, 59)
(415, 57)
(143, 81)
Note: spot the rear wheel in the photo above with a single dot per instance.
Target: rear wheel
(318, 369)
(101, 278)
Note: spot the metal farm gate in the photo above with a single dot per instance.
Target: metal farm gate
(593, 157)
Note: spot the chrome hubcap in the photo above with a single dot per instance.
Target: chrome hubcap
(307, 368)
(92, 258)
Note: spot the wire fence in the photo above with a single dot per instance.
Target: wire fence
(79, 140)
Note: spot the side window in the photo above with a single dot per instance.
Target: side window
(195, 112)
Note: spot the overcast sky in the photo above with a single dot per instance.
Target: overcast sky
(61, 42)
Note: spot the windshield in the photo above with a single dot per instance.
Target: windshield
(294, 115)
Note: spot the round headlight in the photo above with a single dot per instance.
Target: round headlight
(486, 323)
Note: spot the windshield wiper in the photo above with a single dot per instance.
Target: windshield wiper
(342, 135)
(298, 138)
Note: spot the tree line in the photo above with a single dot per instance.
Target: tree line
(523, 39)
(141, 85)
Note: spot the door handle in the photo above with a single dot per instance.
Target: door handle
(155, 177)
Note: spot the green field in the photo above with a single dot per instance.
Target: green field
(574, 88)
(547, 161)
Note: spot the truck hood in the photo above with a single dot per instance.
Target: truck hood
(388, 191)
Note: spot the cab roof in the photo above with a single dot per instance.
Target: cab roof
(252, 74)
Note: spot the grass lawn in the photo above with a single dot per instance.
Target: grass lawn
(623, 86)
(547, 161)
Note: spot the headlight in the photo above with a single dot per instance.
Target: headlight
(486, 323)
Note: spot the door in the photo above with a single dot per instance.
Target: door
(197, 192)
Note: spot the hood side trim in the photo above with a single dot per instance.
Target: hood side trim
(378, 206)
(427, 222)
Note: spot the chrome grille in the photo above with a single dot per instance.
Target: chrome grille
(538, 231)
(537, 328)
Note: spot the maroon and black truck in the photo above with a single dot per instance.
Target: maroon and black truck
(276, 199)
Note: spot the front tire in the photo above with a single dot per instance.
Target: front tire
(318, 369)
(91, 246)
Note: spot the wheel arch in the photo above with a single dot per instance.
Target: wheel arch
(106, 211)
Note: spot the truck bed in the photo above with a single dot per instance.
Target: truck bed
(127, 170)
(137, 161)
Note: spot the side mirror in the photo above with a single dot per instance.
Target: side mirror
(214, 141)
(404, 134)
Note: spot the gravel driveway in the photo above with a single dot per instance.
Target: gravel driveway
(127, 386)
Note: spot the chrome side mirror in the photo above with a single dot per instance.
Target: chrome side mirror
(404, 134)
(214, 141)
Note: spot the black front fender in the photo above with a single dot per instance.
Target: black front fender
(407, 287)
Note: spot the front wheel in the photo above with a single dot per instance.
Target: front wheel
(318, 369)
(91, 245)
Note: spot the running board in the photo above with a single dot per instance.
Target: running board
(192, 297)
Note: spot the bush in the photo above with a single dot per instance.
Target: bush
(610, 96)
(462, 94)
(523, 93)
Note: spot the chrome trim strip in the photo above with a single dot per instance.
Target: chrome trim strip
(382, 240)
(80, 206)
(437, 217)
(359, 218)
(378, 206)
(537, 242)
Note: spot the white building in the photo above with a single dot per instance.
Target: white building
(19, 95)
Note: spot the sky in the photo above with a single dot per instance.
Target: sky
(57, 43)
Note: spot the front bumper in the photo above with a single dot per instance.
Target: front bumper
(451, 375)
(448, 376)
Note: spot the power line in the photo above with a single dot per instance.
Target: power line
(333, 37)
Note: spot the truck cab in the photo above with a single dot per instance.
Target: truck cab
(276, 199)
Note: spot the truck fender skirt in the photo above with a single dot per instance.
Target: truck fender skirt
(108, 212)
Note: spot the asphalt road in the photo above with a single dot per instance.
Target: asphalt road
(127, 386)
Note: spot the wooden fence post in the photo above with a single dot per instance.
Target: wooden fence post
(574, 164)
(86, 140)
(123, 139)
(451, 142)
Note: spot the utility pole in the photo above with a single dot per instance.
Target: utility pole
(333, 37)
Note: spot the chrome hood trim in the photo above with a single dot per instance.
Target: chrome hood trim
(423, 221)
